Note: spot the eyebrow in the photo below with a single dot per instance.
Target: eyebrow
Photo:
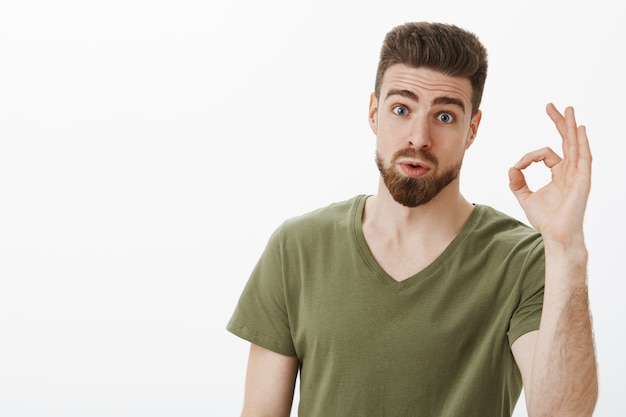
(450, 100)
(404, 93)
(439, 100)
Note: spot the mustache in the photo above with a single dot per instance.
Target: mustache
(413, 153)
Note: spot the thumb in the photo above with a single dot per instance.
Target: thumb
(517, 184)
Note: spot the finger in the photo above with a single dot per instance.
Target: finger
(545, 155)
(566, 126)
(518, 184)
(570, 142)
(584, 149)
(557, 118)
(583, 167)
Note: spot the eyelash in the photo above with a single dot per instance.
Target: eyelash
(395, 108)
(450, 115)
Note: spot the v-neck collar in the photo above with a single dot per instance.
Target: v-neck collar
(381, 274)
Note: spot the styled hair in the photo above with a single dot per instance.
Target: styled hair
(437, 46)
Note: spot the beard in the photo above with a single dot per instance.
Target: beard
(413, 192)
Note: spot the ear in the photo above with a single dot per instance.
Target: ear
(473, 130)
(373, 113)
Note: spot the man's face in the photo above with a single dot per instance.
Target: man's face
(423, 125)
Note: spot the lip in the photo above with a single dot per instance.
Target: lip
(413, 169)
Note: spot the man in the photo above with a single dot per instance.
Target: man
(413, 301)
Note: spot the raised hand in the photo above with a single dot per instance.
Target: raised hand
(557, 209)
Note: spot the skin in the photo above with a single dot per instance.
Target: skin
(396, 233)
(557, 362)
(270, 383)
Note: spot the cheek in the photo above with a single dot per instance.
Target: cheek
(450, 148)
(384, 150)
(392, 132)
(459, 153)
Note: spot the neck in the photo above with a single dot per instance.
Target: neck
(405, 240)
(443, 216)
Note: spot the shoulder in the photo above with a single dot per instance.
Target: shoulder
(339, 215)
(319, 228)
(499, 228)
(507, 247)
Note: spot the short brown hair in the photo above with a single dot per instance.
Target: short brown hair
(437, 46)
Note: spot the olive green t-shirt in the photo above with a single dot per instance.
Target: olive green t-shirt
(434, 344)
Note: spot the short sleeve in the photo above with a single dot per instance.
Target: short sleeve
(261, 316)
(527, 316)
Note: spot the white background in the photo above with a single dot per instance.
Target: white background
(149, 148)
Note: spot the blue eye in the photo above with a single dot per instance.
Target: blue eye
(445, 118)
(400, 110)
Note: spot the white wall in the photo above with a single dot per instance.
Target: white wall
(149, 148)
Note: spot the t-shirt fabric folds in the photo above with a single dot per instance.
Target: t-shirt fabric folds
(435, 344)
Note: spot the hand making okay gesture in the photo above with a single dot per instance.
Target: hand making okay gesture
(557, 209)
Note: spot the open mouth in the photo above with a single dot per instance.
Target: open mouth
(413, 169)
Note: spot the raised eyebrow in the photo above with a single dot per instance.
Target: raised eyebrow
(404, 93)
(450, 100)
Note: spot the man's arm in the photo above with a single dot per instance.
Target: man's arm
(270, 383)
(558, 362)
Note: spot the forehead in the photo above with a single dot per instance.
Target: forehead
(425, 83)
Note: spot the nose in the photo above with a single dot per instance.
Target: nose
(419, 133)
